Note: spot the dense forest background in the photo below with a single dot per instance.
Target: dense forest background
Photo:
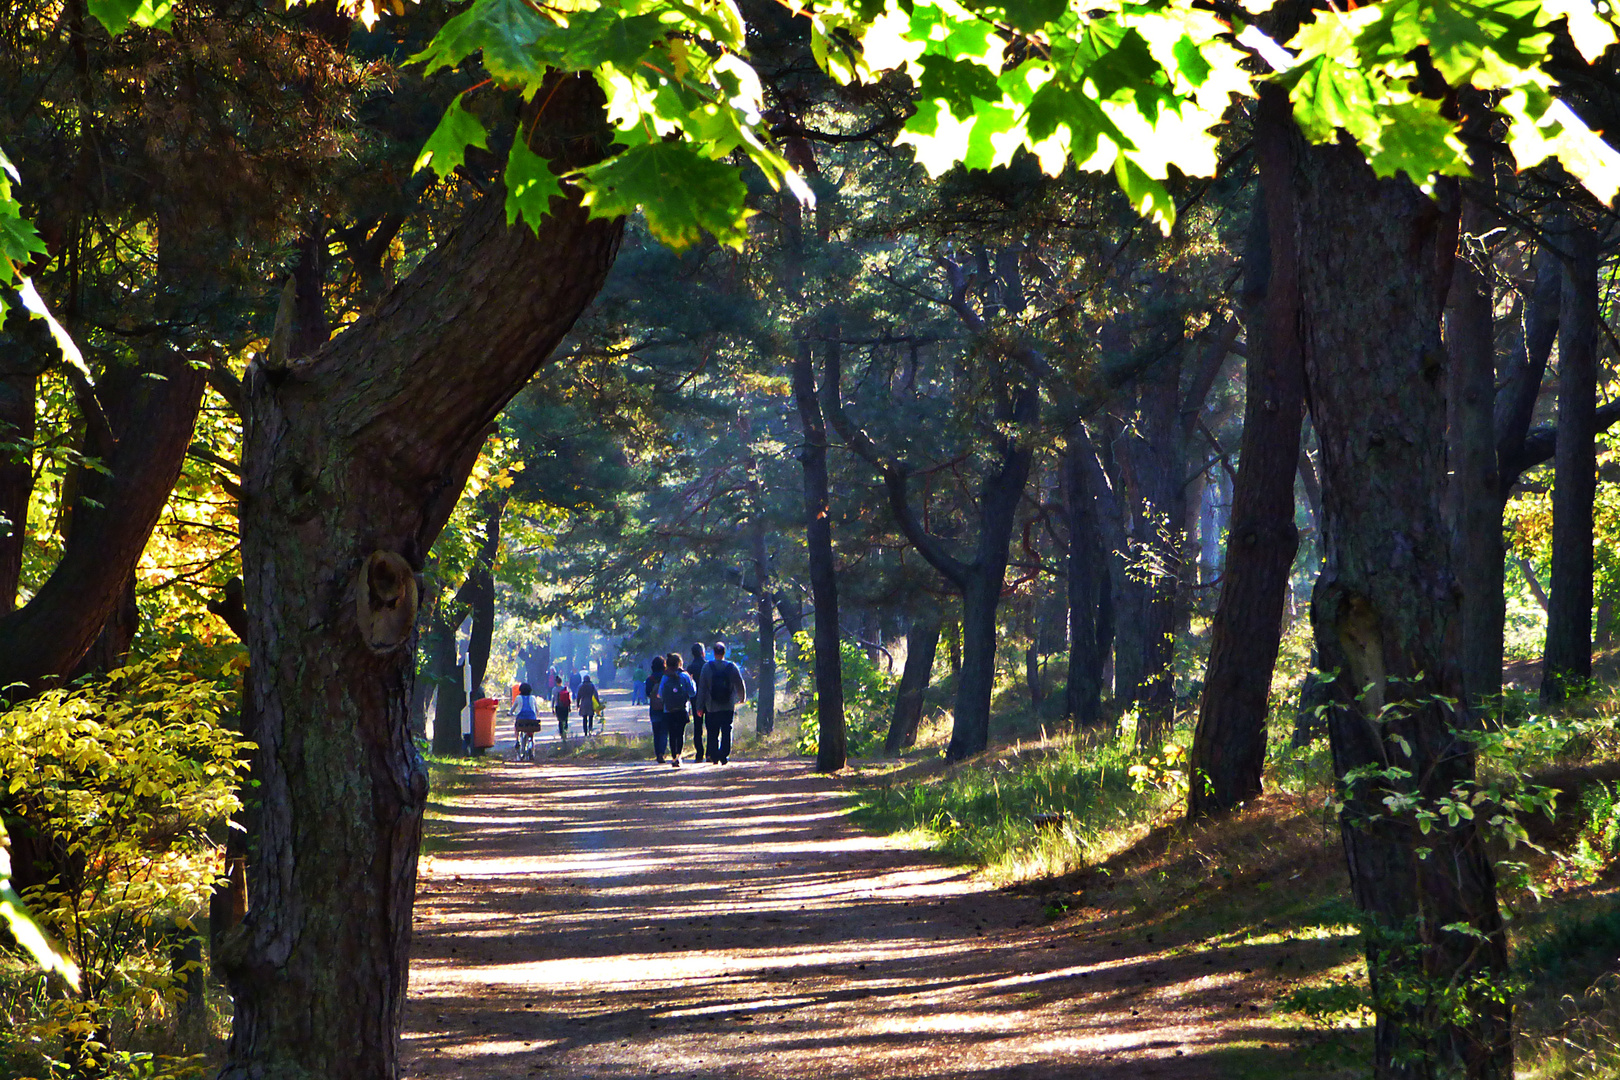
(1310, 496)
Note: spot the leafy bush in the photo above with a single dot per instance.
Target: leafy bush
(868, 698)
(121, 780)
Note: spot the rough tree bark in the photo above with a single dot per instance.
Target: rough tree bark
(1476, 508)
(922, 645)
(1229, 743)
(1568, 658)
(833, 738)
(1374, 263)
(148, 425)
(353, 461)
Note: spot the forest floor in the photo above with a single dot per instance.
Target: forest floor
(582, 918)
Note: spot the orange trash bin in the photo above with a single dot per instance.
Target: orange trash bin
(484, 722)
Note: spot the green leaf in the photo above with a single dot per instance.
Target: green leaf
(530, 186)
(1028, 15)
(1418, 141)
(446, 148)
(116, 15)
(681, 193)
(503, 29)
(520, 45)
(956, 83)
(1149, 197)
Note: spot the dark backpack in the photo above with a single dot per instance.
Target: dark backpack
(655, 701)
(720, 685)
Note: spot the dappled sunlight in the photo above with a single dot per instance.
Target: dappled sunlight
(629, 920)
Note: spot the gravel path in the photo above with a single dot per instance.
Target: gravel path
(602, 920)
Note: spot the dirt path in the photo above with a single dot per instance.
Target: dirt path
(630, 920)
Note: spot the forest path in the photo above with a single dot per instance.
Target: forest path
(599, 920)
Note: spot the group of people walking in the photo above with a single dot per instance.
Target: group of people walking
(525, 711)
(712, 697)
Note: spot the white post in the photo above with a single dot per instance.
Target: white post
(466, 695)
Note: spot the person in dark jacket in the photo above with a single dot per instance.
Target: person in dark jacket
(720, 690)
(698, 660)
(677, 690)
(655, 708)
(590, 703)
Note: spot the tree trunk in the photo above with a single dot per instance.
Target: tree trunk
(1160, 518)
(1374, 262)
(789, 607)
(444, 670)
(1477, 551)
(922, 644)
(23, 356)
(1089, 588)
(1229, 743)
(111, 647)
(480, 590)
(764, 597)
(142, 445)
(1568, 661)
(833, 739)
(970, 727)
(353, 461)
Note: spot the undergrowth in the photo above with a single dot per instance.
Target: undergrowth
(1036, 811)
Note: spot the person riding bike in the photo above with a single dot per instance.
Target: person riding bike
(525, 713)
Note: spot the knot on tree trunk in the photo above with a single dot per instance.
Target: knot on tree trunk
(385, 598)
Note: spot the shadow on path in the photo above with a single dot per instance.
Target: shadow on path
(632, 920)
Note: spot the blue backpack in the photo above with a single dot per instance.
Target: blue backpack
(675, 693)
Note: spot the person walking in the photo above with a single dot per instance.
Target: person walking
(696, 669)
(655, 708)
(562, 703)
(677, 689)
(720, 690)
(638, 689)
(590, 703)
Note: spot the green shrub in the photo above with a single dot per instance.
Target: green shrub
(868, 698)
(124, 779)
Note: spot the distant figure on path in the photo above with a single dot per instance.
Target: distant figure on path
(697, 706)
(720, 690)
(573, 681)
(590, 703)
(525, 713)
(565, 701)
(655, 708)
(677, 689)
(638, 689)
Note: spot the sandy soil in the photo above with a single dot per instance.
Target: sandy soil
(627, 919)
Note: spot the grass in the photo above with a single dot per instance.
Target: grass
(1109, 851)
(1038, 810)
